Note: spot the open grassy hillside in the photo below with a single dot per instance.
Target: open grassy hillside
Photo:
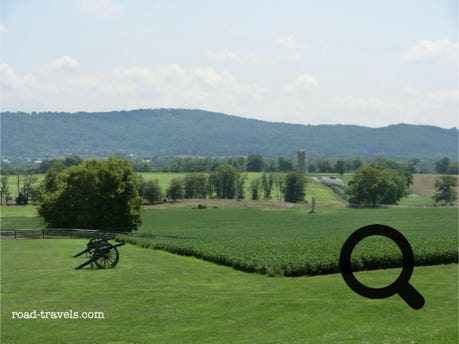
(156, 297)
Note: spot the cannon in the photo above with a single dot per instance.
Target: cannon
(101, 253)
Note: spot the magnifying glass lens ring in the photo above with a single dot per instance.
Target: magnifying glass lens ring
(354, 239)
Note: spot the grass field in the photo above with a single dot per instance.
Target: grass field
(423, 184)
(17, 217)
(156, 297)
(422, 191)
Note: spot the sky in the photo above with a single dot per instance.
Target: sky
(371, 63)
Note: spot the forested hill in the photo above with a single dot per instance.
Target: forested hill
(163, 132)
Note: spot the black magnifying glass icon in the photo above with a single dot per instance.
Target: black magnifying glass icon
(400, 286)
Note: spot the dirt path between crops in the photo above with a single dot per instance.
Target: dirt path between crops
(229, 203)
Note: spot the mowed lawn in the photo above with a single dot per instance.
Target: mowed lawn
(156, 297)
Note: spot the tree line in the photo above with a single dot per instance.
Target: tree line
(382, 181)
(108, 194)
(251, 163)
(225, 182)
(258, 163)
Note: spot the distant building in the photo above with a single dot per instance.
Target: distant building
(302, 160)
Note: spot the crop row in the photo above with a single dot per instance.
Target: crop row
(281, 256)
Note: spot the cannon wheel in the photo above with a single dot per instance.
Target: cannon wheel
(108, 257)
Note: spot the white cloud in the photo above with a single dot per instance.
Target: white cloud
(64, 63)
(290, 44)
(228, 55)
(303, 83)
(132, 87)
(175, 86)
(210, 77)
(2, 28)
(442, 50)
(10, 80)
(102, 8)
(15, 89)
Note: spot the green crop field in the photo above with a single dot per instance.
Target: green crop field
(271, 240)
(156, 297)
(292, 242)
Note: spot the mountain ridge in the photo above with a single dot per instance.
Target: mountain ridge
(156, 132)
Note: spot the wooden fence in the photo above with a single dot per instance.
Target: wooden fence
(46, 233)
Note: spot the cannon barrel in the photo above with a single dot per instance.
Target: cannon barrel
(82, 252)
(89, 261)
(108, 238)
(102, 253)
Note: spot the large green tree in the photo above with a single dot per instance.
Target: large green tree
(340, 167)
(24, 191)
(4, 190)
(224, 181)
(442, 165)
(96, 194)
(255, 188)
(150, 190)
(372, 186)
(267, 183)
(446, 187)
(176, 189)
(285, 164)
(255, 163)
(196, 185)
(294, 187)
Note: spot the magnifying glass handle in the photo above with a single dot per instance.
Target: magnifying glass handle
(411, 296)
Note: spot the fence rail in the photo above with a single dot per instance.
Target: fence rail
(45, 233)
